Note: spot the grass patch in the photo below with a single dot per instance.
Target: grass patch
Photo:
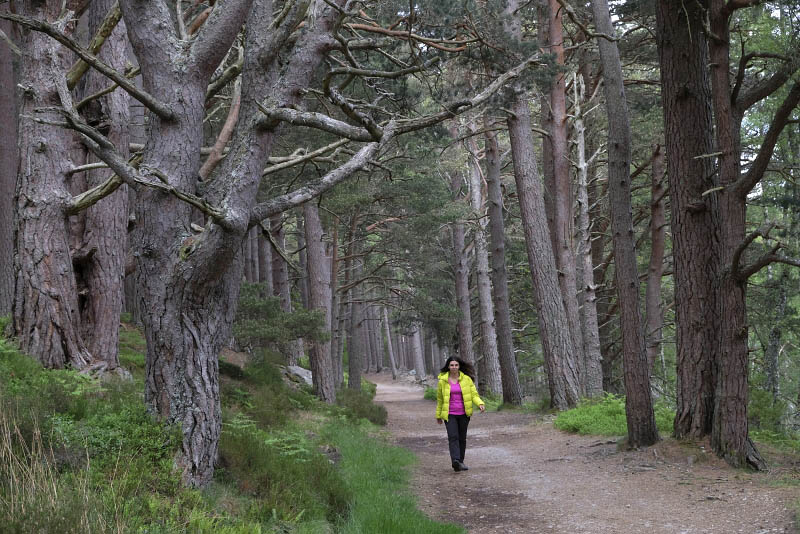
(377, 475)
(606, 417)
(81, 455)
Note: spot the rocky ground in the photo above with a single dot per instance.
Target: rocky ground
(527, 477)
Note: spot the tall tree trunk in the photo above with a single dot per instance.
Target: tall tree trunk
(642, 430)
(280, 283)
(389, 347)
(46, 316)
(563, 371)
(686, 98)
(104, 243)
(563, 225)
(264, 262)
(593, 370)
(462, 294)
(772, 350)
(416, 350)
(559, 353)
(319, 298)
(512, 393)
(491, 379)
(355, 337)
(654, 309)
(8, 169)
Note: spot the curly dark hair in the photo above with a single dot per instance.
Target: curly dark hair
(463, 366)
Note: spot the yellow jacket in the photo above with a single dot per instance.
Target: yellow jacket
(468, 391)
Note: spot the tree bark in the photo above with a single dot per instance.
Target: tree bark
(686, 99)
(462, 294)
(45, 311)
(559, 353)
(8, 169)
(104, 242)
(654, 309)
(416, 350)
(355, 337)
(587, 297)
(390, 349)
(319, 297)
(642, 430)
(491, 379)
(563, 225)
(512, 393)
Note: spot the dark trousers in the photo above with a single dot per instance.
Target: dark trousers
(457, 436)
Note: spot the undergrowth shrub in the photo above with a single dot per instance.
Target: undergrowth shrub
(606, 417)
(358, 405)
(286, 472)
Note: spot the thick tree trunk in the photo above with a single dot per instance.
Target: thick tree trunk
(587, 297)
(491, 379)
(8, 169)
(512, 393)
(654, 309)
(462, 294)
(686, 98)
(642, 430)
(559, 353)
(319, 297)
(46, 315)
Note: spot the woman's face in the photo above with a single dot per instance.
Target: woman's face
(453, 367)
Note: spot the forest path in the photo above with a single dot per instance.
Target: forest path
(527, 477)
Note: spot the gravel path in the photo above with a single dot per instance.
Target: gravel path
(527, 477)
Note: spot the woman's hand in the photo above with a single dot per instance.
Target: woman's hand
(482, 408)
(438, 420)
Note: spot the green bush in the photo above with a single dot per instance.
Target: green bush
(283, 469)
(358, 405)
(606, 417)
(765, 412)
(430, 394)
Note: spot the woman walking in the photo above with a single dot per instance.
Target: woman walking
(455, 397)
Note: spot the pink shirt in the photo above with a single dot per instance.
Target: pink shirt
(456, 400)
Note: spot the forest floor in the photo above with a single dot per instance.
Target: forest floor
(527, 477)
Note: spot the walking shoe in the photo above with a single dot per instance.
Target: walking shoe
(457, 466)
(463, 467)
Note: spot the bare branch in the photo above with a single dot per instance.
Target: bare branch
(574, 17)
(146, 99)
(319, 121)
(103, 32)
(765, 88)
(779, 121)
(307, 157)
(762, 232)
(224, 135)
(460, 45)
(304, 194)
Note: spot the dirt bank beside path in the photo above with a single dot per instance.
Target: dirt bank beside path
(527, 477)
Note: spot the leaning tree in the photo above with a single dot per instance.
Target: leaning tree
(188, 276)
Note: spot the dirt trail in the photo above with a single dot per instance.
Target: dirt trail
(527, 477)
